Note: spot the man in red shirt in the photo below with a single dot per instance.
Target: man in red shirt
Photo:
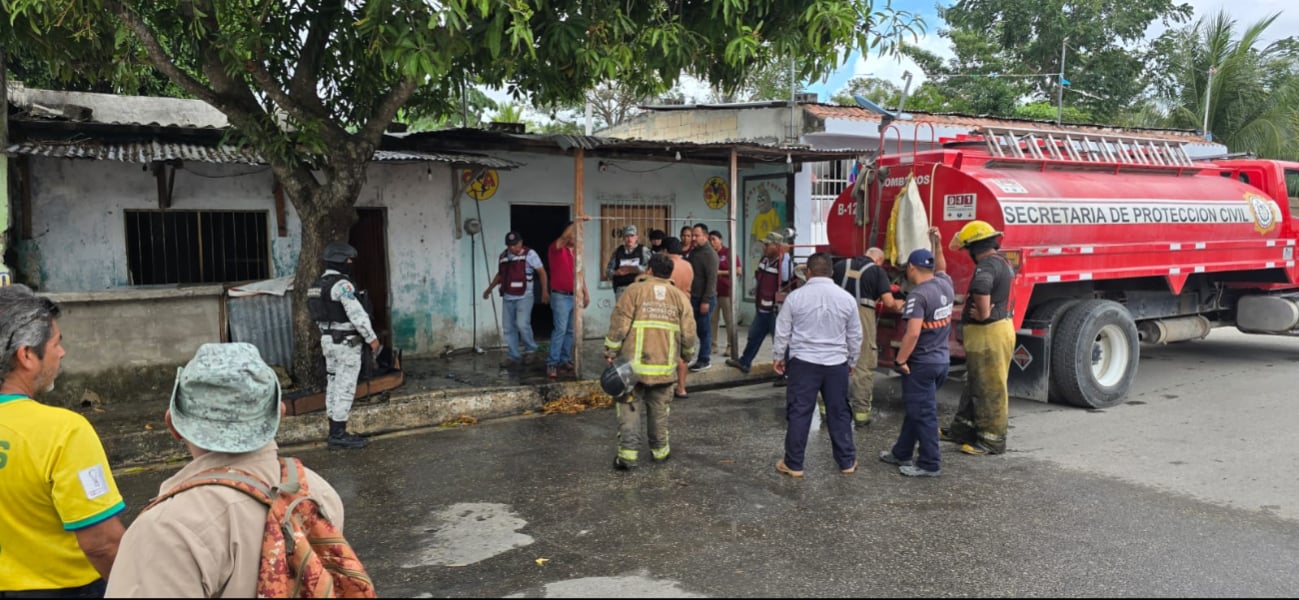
(724, 294)
(565, 288)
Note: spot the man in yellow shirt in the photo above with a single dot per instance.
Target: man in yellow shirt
(59, 505)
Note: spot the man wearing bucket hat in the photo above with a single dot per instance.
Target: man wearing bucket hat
(773, 272)
(627, 262)
(59, 505)
(206, 541)
(981, 418)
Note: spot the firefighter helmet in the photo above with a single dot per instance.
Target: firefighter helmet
(618, 379)
(973, 231)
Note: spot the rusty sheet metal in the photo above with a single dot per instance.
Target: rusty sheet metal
(147, 152)
(265, 321)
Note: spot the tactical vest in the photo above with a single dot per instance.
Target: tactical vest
(516, 280)
(768, 277)
(320, 304)
(854, 269)
(624, 258)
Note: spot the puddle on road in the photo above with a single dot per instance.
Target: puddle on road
(630, 586)
(466, 533)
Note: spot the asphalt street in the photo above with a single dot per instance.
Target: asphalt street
(1188, 489)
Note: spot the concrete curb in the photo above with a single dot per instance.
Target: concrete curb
(413, 411)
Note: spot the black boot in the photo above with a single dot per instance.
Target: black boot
(340, 438)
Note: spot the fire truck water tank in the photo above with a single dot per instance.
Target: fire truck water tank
(1267, 314)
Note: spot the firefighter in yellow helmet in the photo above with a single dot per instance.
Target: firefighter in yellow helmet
(979, 425)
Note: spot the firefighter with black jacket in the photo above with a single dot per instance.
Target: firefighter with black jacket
(344, 325)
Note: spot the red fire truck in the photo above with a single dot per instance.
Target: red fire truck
(1115, 240)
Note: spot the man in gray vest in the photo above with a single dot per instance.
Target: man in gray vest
(344, 324)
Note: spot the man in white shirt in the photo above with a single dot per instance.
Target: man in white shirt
(819, 327)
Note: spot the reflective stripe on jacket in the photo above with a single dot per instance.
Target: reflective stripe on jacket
(652, 325)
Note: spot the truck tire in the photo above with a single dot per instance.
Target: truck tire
(1094, 355)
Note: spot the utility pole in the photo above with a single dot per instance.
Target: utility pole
(1208, 96)
(1059, 94)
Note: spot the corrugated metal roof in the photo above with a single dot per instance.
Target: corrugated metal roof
(853, 113)
(135, 152)
(147, 152)
(122, 110)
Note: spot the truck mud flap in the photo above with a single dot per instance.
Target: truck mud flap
(1030, 377)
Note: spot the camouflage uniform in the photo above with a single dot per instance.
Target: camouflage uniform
(343, 359)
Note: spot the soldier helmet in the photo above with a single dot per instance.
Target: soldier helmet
(338, 252)
(618, 379)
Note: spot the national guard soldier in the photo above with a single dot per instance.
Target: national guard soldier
(344, 324)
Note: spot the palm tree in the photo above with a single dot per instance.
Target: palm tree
(1251, 87)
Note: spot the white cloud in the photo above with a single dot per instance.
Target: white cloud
(1248, 12)
(892, 68)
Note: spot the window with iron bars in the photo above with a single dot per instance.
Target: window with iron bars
(177, 246)
(829, 179)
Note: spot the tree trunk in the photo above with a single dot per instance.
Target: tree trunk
(327, 214)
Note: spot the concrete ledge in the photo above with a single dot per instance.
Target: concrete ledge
(401, 412)
(138, 293)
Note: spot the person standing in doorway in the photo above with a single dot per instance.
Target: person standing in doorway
(724, 295)
(703, 294)
(627, 263)
(982, 417)
(565, 290)
(864, 278)
(344, 325)
(923, 361)
(818, 329)
(59, 505)
(518, 266)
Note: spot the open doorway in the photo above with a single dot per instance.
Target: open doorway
(539, 225)
(369, 236)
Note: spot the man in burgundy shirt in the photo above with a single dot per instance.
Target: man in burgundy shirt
(724, 294)
(564, 289)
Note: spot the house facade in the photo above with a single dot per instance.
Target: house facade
(141, 223)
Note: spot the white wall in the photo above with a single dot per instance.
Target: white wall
(80, 239)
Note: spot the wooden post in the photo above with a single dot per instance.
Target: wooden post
(731, 212)
(578, 252)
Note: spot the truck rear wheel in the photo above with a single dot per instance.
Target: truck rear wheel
(1095, 354)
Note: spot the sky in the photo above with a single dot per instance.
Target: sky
(1244, 11)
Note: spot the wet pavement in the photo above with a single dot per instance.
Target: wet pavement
(529, 506)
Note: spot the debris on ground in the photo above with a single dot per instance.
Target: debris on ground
(570, 405)
(460, 421)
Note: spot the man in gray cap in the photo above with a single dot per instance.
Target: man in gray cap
(344, 324)
(206, 541)
(627, 263)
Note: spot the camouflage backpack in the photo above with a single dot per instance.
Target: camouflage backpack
(303, 553)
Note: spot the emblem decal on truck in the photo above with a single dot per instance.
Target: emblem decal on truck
(1265, 217)
(959, 207)
(1021, 357)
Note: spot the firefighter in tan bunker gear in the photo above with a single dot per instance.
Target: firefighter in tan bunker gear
(981, 418)
(652, 326)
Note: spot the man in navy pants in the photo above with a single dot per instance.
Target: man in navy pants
(819, 328)
(923, 361)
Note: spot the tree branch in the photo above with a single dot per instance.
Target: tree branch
(158, 55)
(386, 110)
(303, 83)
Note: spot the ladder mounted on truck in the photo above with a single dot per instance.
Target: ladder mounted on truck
(1082, 148)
